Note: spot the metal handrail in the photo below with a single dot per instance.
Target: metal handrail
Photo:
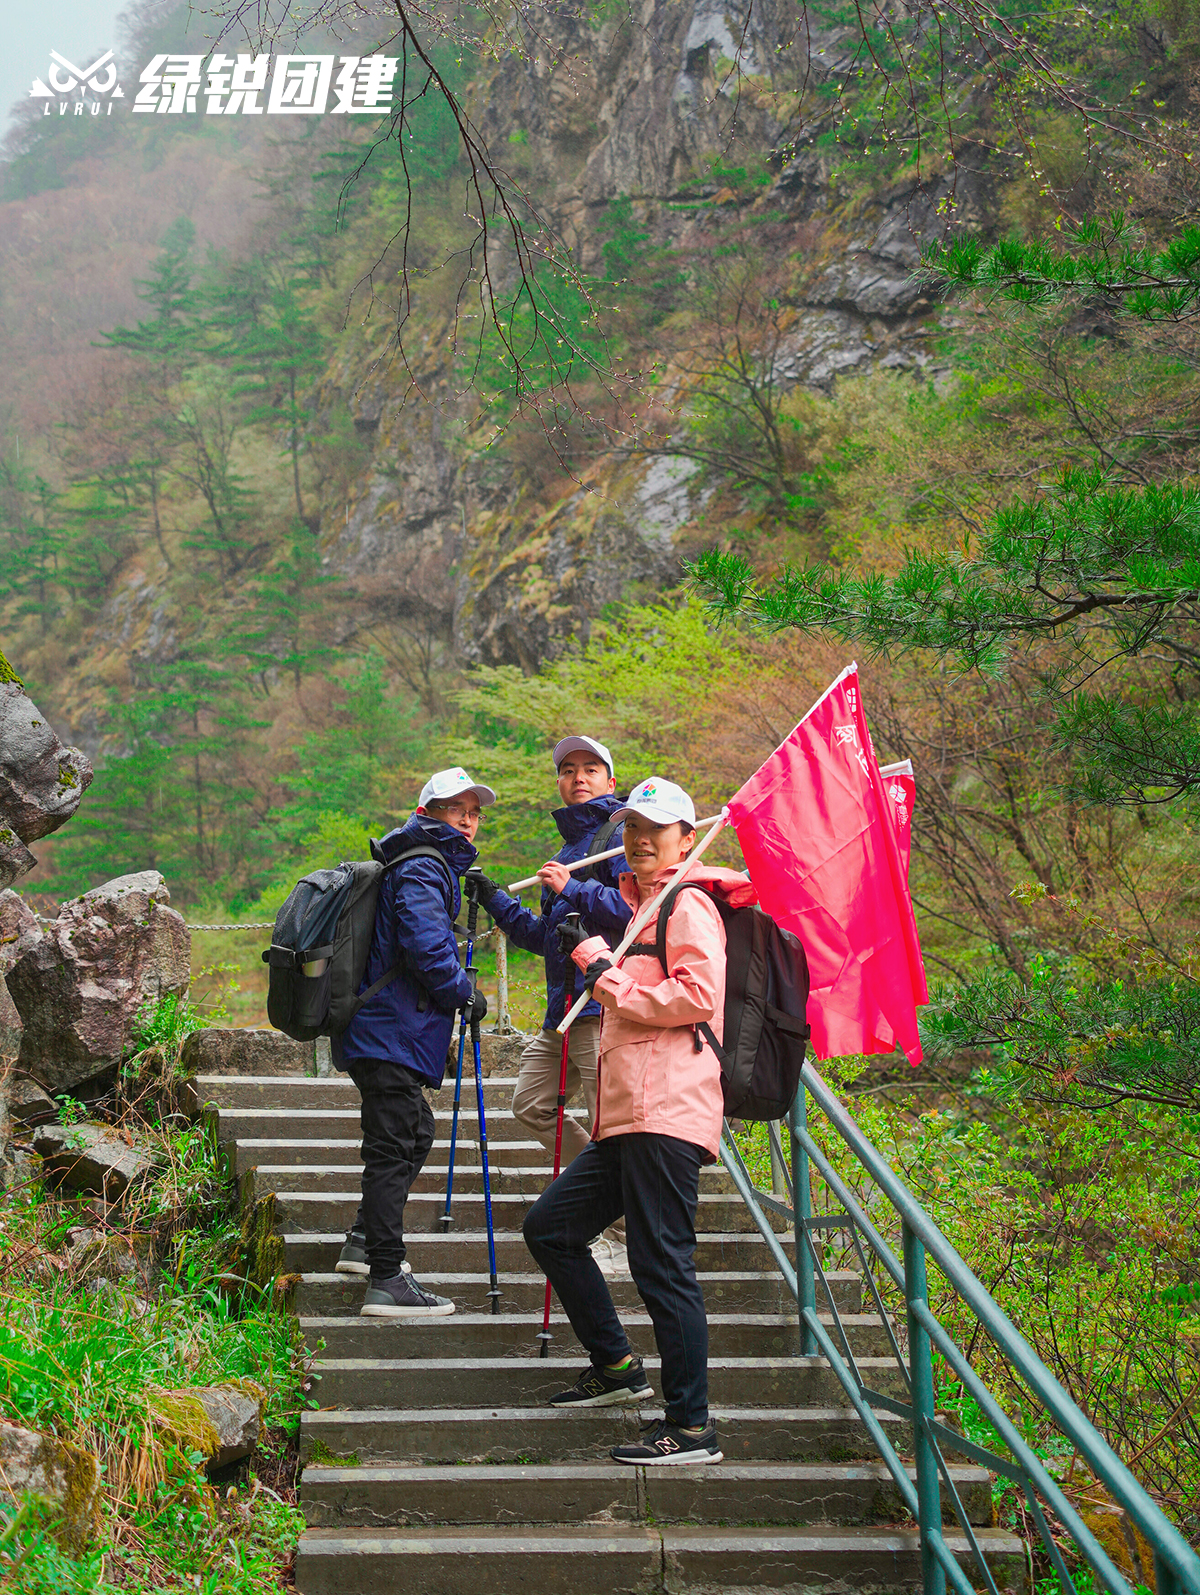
(1177, 1568)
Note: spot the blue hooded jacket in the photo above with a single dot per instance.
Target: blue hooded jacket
(410, 1023)
(605, 911)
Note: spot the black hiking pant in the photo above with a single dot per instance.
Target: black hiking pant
(397, 1133)
(654, 1180)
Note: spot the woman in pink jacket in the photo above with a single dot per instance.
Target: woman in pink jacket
(658, 1121)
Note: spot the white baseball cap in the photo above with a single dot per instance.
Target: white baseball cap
(582, 745)
(660, 801)
(453, 783)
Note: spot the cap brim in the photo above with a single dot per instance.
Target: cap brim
(659, 816)
(577, 745)
(484, 793)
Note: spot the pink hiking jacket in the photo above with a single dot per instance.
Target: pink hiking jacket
(651, 1078)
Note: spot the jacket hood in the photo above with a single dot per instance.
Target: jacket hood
(578, 820)
(731, 886)
(423, 830)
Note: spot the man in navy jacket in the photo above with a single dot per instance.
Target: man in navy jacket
(396, 1044)
(584, 771)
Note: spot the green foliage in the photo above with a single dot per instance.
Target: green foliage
(1112, 571)
(1101, 258)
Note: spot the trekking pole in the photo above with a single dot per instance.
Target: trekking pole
(494, 1292)
(445, 1219)
(546, 1337)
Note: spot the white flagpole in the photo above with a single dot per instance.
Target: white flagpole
(649, 907)
(594, 858)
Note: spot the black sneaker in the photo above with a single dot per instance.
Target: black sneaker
(665, 1445)
(597, 1388)
(402, 1297)
(353, 1256)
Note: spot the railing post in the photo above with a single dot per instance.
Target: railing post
(920, 1367)
(502, 1020)
(806, 1278)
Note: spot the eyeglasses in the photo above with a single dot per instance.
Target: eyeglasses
(458, 811)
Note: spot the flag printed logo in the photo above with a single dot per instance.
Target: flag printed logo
(66, 79)
(845, 734)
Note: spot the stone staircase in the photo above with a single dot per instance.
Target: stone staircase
(433, 1466)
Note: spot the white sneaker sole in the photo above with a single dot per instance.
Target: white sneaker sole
(380, 1311)
(610, 1398)
(360, 1270)
(682, 1459)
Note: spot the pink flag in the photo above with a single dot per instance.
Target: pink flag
(819, 832)
(901, 786)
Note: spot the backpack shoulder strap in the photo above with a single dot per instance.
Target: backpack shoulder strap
(600, 843)
(400, 965)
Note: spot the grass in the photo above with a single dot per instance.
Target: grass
(100, 1345)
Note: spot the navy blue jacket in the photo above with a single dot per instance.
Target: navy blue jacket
(414, 918)
(605, 911)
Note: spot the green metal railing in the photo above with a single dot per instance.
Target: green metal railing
(1176, 1566)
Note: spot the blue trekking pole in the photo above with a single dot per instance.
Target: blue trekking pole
(494, 1292)
(472, 915)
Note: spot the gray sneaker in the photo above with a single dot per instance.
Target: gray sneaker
(402, 1297)
(353, 1256)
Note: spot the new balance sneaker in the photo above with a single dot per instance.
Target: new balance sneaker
(596, 1387)
(665, 1445)
(352, 1258)
(402, 1297)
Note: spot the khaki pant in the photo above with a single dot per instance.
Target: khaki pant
(535, 1101)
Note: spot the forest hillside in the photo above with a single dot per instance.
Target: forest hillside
(332, 454)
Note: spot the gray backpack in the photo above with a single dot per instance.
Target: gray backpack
(321, 943)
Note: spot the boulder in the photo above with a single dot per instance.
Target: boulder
(28, 1104)
(90, 1157)
(83, 979)
(63, 1472)
(17, 919)
(246, 1051)
(223, 1420)
(41, 781)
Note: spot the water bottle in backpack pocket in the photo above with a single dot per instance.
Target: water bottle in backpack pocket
(321, 942)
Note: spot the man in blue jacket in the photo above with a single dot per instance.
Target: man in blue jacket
(583, 769)
(396, 1044)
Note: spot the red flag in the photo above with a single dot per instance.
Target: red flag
(819, 834)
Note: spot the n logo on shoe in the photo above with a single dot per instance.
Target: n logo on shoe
(594, 1386)
(666, 1445)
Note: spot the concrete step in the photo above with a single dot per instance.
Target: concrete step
(326, 1294)
(607, 1559)
(333, 1211)
(789, 1493)
(235, 1124)
(368, 1384)
(289, 1092)
(517, 1180)
(451, 1435)
(430, 1252)
(342, 1150)
(484, 1335)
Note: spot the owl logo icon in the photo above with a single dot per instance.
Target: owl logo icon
(65, 78)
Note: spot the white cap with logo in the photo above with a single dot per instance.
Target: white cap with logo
(660, 801)
(448, 784)
(581, 745)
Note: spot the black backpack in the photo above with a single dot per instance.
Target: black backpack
(766, 995)
(321, 942)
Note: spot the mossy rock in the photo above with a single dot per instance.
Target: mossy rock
(59, 1471)
(7, 673)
